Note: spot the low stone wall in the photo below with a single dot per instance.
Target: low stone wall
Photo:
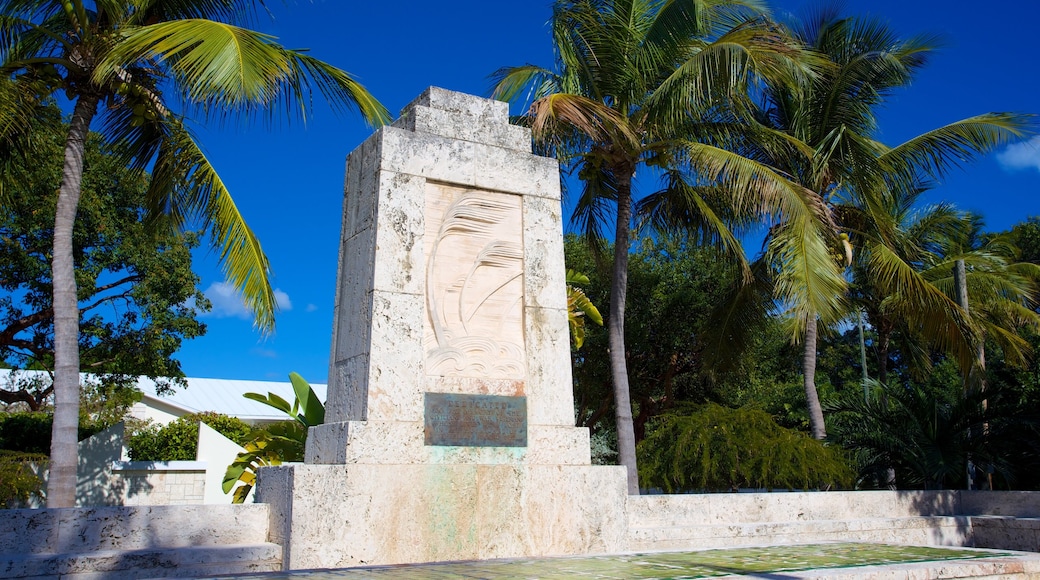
(1002, 520)
(132, 542)
(160, 482)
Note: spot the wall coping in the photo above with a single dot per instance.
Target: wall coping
(159, 466)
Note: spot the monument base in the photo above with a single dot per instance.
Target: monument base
(399, 442)
(334, 516)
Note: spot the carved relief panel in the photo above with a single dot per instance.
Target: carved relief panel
(474, 283)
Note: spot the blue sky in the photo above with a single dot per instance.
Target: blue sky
(288, 179)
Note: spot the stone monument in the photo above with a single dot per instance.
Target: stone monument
(449, 429)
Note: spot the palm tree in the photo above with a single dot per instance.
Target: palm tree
(1001, 292)
(126, 64)
(833, 115)
(660, 85)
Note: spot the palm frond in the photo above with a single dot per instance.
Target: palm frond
(939, 150)
(185, 186)
(223, 67)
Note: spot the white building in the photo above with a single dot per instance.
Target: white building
(105, 475)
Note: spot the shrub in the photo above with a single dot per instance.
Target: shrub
(31, 432)
(26, 432)
(179, 439)
(18, 479)
(715, 448)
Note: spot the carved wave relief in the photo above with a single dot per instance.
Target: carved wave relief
(474, 284)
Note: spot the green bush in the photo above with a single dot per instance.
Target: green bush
(31, 432)
(716, 448)
(179, 440)
(18, 479)
(26, 432)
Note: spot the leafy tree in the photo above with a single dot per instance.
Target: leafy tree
(139, 298)
(714, 448)
(1026, 236)
(1000, 294)
(673, 288)
(132, 57)
(647, 84)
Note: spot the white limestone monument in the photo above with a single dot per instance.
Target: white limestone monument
(449, 428)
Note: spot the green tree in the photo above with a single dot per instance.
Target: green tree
(139, 297)
(832, 117)
(1026, 236)
(649, 84)
(674, 285)
(131, 57)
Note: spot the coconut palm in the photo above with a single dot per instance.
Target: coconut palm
(1001, 292)
(128, 67)
(662, 85)
(834, 116)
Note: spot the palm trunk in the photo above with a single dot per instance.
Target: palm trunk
(61, 483)
(812, 398)
(884, 333)
(616, 333)
(863, 355)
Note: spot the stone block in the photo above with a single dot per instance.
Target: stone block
(349, 402)
(545, 274)
(469, 512)
(431, 156)
(1006, 533)
(29, 531)
(549, 386)
(396, 358)
(478, 128)
(1022, 504)
(512, 171)
(398, 253)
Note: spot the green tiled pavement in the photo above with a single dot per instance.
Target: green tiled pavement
(657, 566)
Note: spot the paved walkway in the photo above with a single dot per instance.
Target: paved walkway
(847, 561)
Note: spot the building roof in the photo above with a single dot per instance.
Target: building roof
(225, 396)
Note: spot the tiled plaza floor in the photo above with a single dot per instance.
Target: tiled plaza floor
(759, 562)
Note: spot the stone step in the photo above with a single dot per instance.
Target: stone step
(146, 563)
(925, 530)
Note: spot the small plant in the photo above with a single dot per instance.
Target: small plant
(276, 443)
(19, 479)
(579, 307)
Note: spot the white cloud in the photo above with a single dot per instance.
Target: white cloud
(228, 303)
(282, 300)
(311, 307)
(264, 352)
(1021, 155)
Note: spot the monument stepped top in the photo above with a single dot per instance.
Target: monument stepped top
(465, 117)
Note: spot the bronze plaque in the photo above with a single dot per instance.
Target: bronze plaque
(476, 420)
